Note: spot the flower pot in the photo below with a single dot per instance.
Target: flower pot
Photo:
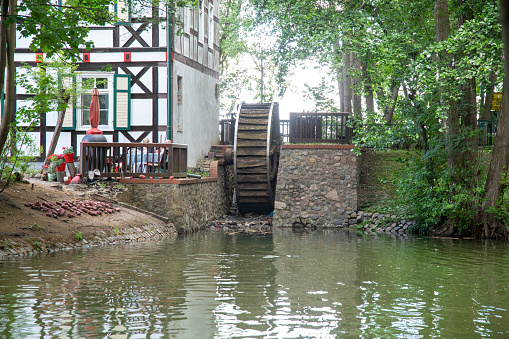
(51, 176)
(69, 157)
(61, 168)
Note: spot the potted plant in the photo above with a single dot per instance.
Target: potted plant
(52, 172)
(68, 154)
(59, 162)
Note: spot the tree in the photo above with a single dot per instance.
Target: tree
(494, 216)
(53, 27)
(425, 63)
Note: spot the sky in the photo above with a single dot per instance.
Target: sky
(293, 100)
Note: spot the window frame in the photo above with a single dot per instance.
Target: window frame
(81, 110)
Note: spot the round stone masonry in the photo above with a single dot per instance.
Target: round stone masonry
(316, 196)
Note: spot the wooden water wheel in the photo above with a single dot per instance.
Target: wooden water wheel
(256, 156)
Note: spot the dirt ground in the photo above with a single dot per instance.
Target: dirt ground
(20, 222)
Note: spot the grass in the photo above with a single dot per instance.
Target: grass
(79, 235)
(376, 189)
(35, 227)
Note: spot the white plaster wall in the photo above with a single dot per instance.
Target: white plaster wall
(64, 140)
(141, 112)
(200, 112)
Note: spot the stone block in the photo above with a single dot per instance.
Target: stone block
(279, 205)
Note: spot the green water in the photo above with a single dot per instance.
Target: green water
(322, 284)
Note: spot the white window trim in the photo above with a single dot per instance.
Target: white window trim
(211, 26)
(201, 29)
(80, 111)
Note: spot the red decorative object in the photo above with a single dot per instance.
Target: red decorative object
(94, 113)
(61, 168)
(69, 157)
(86, 57)
(127, 56)
(76, 179)
(39, 57)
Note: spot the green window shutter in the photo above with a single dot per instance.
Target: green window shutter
(122, 102)
(123, 11)
(69, 124)
(2, 100)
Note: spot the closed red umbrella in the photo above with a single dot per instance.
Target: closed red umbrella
(94, 113)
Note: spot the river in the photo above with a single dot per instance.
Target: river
(318, 284)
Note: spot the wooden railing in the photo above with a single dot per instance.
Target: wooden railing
(284, 128)
(115, 159)
(487, 131)
(319, 127)
(227, 129)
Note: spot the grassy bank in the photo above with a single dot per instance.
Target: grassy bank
(376, 190)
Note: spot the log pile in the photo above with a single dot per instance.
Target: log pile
(73, 208)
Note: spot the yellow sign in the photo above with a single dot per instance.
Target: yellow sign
(497, 102)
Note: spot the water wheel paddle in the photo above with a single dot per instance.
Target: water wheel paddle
(256, 156)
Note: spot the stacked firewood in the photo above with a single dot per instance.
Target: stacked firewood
(73, 208)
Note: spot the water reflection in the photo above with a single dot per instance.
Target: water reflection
(322, 284)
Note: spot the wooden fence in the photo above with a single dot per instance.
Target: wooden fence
(227, 131)
(319, 127)
(115, 159)
(284, 128)
(487, 131)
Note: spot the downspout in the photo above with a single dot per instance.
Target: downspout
(169, 68)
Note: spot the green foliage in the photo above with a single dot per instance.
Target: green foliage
(37, 245)
(387, 221)
(68, 150)
(79, 235)
(431, 205)
(35, 227)
(501, 209)
(7, 244)
(363, 224)
(114, 229)
(322, 96)
(53, 27)
(243, 46)
(22, 150)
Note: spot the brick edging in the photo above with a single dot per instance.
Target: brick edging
(327, 146)
(166, 181)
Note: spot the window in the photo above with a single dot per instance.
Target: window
(211, 26)
(201, 29)
(114, 101)
(104, 84)
(123, 10)
(180, 109)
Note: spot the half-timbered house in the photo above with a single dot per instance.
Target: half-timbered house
(160, 85)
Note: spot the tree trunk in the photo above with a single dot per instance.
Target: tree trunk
(10, 85)
(357, 99)
(347, 86)
(468, 105)
(389, 111)
(4, 9)
(442, 32)
(486, 107)
(339, 77)
(56, 133)
(491, 226)
(368, 89)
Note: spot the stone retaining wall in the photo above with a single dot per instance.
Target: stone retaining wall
(189, 205)
(109, 237)
(317, 185)
(378, 222)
